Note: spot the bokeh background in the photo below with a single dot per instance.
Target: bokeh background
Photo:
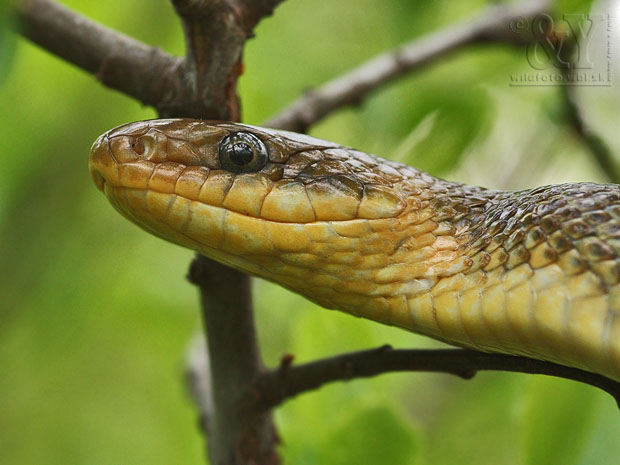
(96, 316)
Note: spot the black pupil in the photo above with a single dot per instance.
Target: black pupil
(241, 154)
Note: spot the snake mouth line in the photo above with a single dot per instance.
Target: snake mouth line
(251, 195)
(109, 188)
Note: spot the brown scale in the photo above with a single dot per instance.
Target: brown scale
(564, 220)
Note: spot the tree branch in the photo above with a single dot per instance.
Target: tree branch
(494, 24)
(239, 433)
(287, 381)
(198, 380)
(597, 147)
(214, 41)
(120, 62)
(215, 32)
(203, 85)
(255, 10)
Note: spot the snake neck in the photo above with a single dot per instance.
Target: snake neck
(374, 268)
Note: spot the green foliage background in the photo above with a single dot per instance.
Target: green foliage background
(96, 316)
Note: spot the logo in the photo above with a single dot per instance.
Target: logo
(573, 51)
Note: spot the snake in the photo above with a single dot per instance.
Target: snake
(534, 272)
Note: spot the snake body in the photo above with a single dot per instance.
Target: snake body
(534, 272)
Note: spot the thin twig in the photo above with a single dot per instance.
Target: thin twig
(285, 382)
(120, 62)
(495, 24)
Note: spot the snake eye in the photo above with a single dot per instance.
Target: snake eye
(242, 152)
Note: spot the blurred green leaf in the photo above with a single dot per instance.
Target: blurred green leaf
(478, 422)
(7, 41)
(460, 119)
(572, 6)
(557, 421)
(375, 435)
(603, 445)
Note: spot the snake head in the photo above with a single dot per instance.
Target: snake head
(272, 175)
(273, 203)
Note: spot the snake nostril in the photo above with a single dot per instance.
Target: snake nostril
(138, 146)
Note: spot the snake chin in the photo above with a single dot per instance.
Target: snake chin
(99, 180)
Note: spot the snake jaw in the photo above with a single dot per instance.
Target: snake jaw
(99, 180)
(101, 164)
